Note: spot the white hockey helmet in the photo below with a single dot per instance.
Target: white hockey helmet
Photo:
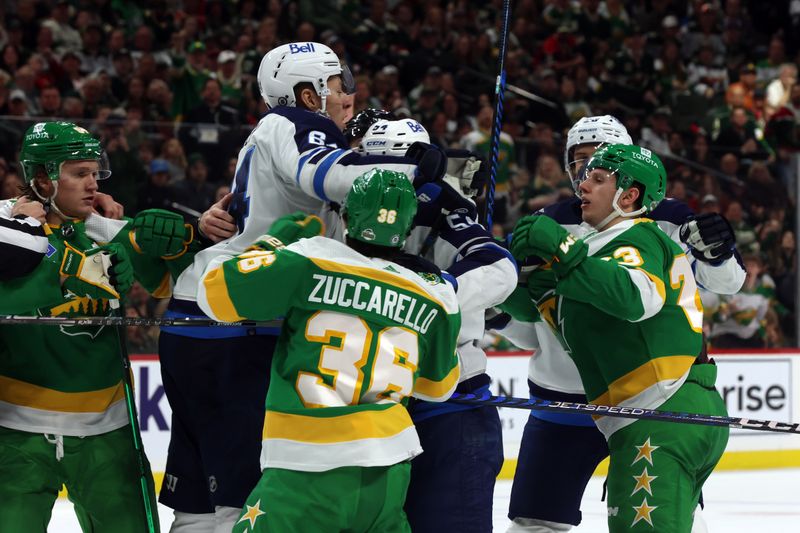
(393, 137)
(287, 65)
(599, 130)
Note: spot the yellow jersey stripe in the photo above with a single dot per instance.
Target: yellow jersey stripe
(668, 368)
(355, 426)
(164, 289)
(217, 296)
(437, 389)
(25, 394)
(375, 274)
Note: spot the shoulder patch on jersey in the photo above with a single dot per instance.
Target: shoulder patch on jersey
(431, 278)
(50, 250)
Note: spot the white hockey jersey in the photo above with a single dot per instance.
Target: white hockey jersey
(484, 279)
(294, 160)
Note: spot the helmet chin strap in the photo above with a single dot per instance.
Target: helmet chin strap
(50, 203)
(323, 96)
(618, 212)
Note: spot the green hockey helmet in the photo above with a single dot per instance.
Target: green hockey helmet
(380, 208)
(633, 164)
(48, 144)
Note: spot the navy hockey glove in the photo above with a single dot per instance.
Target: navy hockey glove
(543, 237)
(495, 319)
(288, 229)
(431, 162)
(445, 197)
(709, 236)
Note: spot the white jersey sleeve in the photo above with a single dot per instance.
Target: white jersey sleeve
(294, 160)
(484, 271)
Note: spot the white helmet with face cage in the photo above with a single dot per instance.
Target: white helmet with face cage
(599, 130)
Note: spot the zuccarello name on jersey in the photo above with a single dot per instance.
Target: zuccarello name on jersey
(363, 296)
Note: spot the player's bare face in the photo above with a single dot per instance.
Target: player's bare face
(338, 105)
(597, 195)
(77, 187)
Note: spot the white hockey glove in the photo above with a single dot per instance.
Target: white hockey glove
(104, 272)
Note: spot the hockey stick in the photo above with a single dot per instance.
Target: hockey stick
(133, 417)
(131, 321)
(497, 120)
(626, 412)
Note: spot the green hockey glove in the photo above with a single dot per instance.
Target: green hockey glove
(519, 306)
(103, 272)
(161, 233)
(541, 282)
(288, 229)
(543, 237)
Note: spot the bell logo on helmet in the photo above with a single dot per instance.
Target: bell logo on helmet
(646, 152)
(368, 235)
(296, 48)
(415, 126)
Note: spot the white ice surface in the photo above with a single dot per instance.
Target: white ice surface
(765, 501)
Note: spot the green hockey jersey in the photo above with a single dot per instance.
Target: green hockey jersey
(630, 316)
(67, 380)
(360, 335)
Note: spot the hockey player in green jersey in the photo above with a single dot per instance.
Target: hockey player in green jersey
(63, 417)
(624, 302)
(366, 326)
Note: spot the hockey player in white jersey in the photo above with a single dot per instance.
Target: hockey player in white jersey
(452, 482)
(295, 159)
(566, 449)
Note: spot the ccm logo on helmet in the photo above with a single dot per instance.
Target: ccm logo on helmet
(376, 143)
(301, 48)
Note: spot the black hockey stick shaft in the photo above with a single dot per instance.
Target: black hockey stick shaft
(626, 412)
(133, 419)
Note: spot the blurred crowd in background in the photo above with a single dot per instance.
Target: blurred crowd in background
(169, 86)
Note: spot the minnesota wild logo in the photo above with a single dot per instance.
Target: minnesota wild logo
(431, 278)
(79, 306)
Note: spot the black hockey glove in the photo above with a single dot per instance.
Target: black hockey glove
(709, 236)
(431, 162)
